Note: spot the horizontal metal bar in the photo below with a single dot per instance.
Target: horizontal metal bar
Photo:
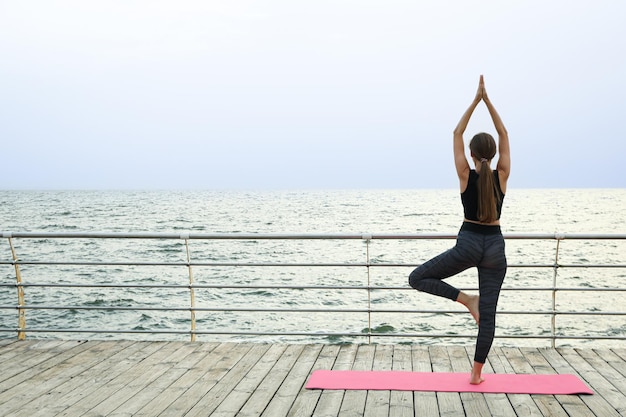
(67, 285)
(282, 236)
(95, 263)
(303, 310)
(314, 334)
(107, 331)
(281, 265)
(184, 235)
(214, 286)
(278, 264)
(294, 287)
(186, 264)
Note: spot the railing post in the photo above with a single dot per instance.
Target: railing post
(21, 312)
(554, 276)
(367, 239)
(191, 292)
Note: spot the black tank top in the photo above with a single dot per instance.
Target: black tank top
(469, 197)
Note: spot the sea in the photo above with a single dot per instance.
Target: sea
(306, 212)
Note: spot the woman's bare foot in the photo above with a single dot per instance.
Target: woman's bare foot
(477, 370)
(474, 307)
(476, 380)
(472, 302)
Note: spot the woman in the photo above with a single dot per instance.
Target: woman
(479, 242)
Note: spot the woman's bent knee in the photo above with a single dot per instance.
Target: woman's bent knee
(415, 279)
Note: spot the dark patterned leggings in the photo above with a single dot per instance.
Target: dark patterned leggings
(481, 247)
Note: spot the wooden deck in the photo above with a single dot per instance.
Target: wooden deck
(128, 378)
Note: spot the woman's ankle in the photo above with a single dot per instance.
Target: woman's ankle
(472, 302)
(476, 376)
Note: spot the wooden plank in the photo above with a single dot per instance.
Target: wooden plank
(522, 404)
(261, 397)
(249, 368)
(73, 384)
(570, 403)
(616, 380)
(614, 360)
(32, 382)
(6, 342)
(31, 357)
(548, 404)
(450, 403)
(621, 352)
(330, 401)
(307, 400)
(567, 361)
(294, 383)
(195, 360)
(353, 403)
(401, 402)
(101, 379)
(499, 405)
(603, 403)
(10, 348)
(474, 404)
(517, 361)
(136, 369)
(198, 381)
(22, 356)
(130, 383)
(377, 401)
(171, 372)
(91, 379)
(537, 361)
(425, 403)
(562, 366)
(246, 384)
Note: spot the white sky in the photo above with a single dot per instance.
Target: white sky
(276, 94)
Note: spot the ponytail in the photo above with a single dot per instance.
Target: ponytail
(483, 147)
(487, 194)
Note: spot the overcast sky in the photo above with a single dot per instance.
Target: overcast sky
(269, 94)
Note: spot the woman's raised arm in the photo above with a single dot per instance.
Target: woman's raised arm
(504, 150)
(460, 160)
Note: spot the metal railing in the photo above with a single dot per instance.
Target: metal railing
(366, 307)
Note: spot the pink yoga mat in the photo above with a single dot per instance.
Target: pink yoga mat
(447, 382)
